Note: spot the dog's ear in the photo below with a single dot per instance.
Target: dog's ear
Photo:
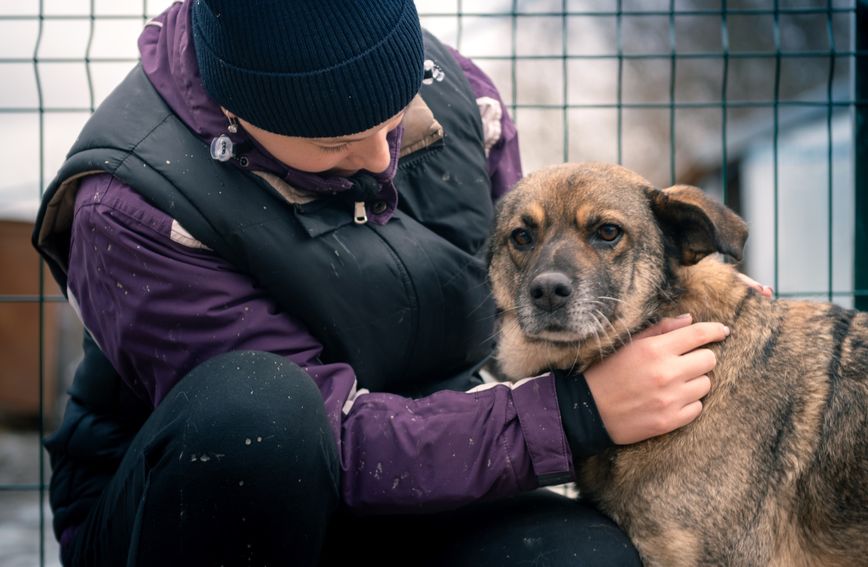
(697, 225)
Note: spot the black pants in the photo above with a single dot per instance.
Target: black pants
(237, 466)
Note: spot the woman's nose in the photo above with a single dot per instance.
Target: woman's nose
(373, 154)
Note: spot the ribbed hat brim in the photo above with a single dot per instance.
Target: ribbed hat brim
(342, 99)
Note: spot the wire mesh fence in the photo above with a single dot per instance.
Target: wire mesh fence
(760, 102)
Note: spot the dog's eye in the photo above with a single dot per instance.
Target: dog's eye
(521, 238)
(609, 232)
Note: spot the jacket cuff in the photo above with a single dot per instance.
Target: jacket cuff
(536, 404)
(584, 428)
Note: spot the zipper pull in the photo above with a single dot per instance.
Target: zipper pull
(361, 215)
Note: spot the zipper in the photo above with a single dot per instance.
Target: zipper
(360, 215)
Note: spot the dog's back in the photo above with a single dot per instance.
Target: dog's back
(831, 497)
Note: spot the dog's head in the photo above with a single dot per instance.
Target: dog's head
(583, 255)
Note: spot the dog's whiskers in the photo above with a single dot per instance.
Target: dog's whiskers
(606, 319)
(621, 340)
(627, 330)
(500, 329)
(597, 335)
(481, 303)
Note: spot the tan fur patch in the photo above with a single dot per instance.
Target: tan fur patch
(537, 213)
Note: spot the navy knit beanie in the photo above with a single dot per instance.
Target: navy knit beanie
(310, 68)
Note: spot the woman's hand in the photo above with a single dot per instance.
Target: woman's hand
(765, 290)
(654, 384)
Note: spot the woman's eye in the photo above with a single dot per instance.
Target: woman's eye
(521, 238)
(334, 149)
(609, 232)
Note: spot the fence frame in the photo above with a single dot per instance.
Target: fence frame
(856, 53)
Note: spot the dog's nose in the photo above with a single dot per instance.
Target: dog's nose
(550, 290)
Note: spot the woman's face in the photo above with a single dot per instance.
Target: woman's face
(343, 155)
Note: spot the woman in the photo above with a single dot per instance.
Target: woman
(272, 231)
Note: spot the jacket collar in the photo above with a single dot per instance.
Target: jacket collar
(169, 61)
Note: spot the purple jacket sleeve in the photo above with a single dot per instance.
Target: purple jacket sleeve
(158, 305)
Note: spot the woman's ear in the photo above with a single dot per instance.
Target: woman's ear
(697, 225)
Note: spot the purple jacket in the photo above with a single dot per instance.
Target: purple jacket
(130, 268)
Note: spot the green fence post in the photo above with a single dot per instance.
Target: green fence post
(860, 157)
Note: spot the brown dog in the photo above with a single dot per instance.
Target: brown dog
(775, 469)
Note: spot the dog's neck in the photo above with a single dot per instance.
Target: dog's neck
(709, 291)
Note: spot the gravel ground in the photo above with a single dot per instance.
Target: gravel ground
(19, 508)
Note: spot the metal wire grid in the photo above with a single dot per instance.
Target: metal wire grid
(853, 54)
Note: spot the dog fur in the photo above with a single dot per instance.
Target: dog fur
(775, 469)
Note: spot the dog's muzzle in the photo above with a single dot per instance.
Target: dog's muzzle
(556, 307)
(550, 291)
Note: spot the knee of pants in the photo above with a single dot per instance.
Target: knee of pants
(238, 458)
(252, 414)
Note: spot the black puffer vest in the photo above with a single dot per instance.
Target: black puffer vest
(406, 304)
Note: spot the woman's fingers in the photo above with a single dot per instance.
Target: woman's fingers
(692, 337)
(765, 290)
(664, 326)
(696, 389)
(697, 363)
(653, 385)
(688, 413)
